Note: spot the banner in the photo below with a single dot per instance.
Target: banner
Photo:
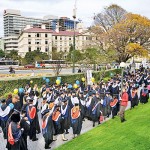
(89, 77)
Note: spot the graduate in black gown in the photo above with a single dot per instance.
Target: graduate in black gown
(65, 114)
(15, 140)
(24, 123)
(57, 121)
(95, 104)
(113, 105)
(4, 115)
(35, 103)
(47, 127)
(82, 103)
(76, 120)
(133, 97)
(144, 96)
(31, 114)
(88, 107)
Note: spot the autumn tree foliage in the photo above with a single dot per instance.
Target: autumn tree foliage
(121, 35)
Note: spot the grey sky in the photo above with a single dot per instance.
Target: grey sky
(85, 8)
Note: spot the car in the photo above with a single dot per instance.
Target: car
(29, 66)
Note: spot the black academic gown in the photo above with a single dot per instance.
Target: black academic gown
(58, 128)
(21, 96)
(17, 135)
(82, 106)
(134, 99)
(144, 96)
(66, 118)
(32, 132)
(114, 110)
(3, 119)
(76, 124)
(48, 129)
(95, 109)
(26, 127)
(88, 109)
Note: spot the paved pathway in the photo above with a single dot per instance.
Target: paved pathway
(39, 145)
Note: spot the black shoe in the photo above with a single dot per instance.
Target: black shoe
(47, 147)
(123, 120)
(93, 124)
(35, 139)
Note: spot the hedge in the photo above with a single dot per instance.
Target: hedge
(9, 85)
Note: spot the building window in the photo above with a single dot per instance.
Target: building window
(37, 41)
(29, 35)
(38, 48)
(69, 38)
(55, 37)
(46, 49)
(60, 38)
(29, 41)
(46, 42)
(45, 35)
(38, 35)
(29, 49)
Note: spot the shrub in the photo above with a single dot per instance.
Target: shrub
(9, 85)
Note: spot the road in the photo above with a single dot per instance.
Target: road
(39, 71)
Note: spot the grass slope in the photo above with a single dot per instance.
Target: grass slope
(134, 134)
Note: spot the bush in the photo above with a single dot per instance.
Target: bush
(9, 85)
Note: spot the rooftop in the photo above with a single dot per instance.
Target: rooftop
(39, 30)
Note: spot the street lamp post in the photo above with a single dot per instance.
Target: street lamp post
(74, 39)
(49, 57)
(122, 65)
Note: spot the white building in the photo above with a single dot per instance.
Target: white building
(2, 44)
(43, 39)
(14, 23)
(11, 43)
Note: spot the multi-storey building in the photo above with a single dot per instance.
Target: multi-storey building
(14, 23)
(1, 44)
(44, 40)
(10, 43)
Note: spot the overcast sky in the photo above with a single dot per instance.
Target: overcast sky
(85, 8)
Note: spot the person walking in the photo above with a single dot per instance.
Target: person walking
(123, 104)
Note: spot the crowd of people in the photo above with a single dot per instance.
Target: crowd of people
(61, 107)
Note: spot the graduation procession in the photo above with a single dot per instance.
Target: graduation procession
(56, 108)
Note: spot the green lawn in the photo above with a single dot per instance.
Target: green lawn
(134, 134)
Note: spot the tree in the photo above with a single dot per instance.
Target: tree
(111, 15)
(57, 55)
(13, 55)
(2, 53)
(129, 37)
(78, 56)
(36, 55)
